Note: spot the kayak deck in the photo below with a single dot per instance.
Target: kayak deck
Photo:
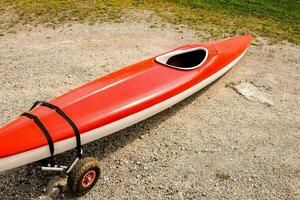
(117, 96)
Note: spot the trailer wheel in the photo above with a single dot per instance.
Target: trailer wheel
(84, 176)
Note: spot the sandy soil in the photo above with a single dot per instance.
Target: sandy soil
(213, 145)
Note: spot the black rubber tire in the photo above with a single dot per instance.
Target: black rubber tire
(75, 177)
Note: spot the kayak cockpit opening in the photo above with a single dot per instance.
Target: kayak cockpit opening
(184, 59)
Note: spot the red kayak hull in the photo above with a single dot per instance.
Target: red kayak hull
(116, 96)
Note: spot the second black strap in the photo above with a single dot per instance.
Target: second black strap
(43, 129)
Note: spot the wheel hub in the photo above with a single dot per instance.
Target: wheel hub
(88, 178)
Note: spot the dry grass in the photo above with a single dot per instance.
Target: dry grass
(278, 21)
(222, 176)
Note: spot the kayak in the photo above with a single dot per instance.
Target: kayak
(117, 100)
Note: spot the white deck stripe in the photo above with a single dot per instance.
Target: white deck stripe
(65, 145)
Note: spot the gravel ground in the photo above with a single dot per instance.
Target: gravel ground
(213, 145)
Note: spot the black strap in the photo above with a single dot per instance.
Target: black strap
(67, 118)
(38, 122)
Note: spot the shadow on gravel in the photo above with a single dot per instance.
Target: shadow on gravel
(30, 182)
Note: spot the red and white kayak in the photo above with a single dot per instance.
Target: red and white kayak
(119, 99)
